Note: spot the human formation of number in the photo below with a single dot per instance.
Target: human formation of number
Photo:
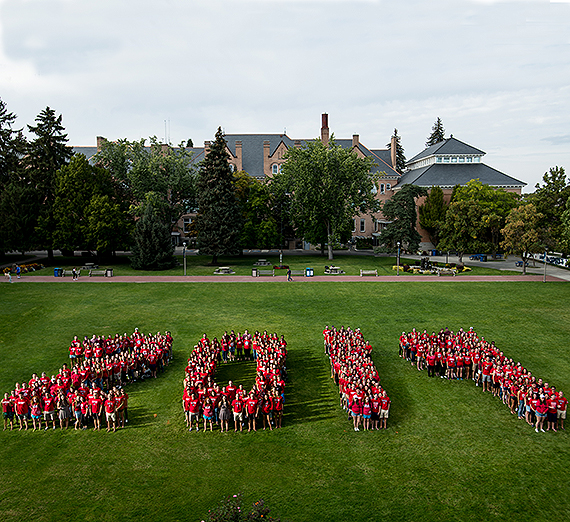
(92, 383)
(357, 379)
(205, 401)
(465, 355)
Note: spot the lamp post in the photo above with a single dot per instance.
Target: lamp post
(398, 265)
(184, 254)
(544, 278)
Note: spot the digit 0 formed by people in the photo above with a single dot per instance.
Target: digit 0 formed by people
(91, 388)
(353, 371)
(206, 403)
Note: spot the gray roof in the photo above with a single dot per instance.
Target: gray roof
(88, 152)
(447, 146)
(449, 175)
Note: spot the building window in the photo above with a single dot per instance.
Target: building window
(232, 167)
(454, 159)
(375, 224)
(382, 188)
(275, 169)
(187, 222)
(476, 159)
(461, 159)
(446, 159)
(354, 225)
(388, 186)
(439, 159)
(362, 225)
(469, 159)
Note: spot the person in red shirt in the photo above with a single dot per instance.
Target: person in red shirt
(36, 412)
(551, 414)
(486, 367)
(21, 406)
(541, 410)
(208, 413)
(8, 411)
(111, 412)
(356, 412)
(252, 409)
(561, 410)
(278, 408)
(237, 406)
(96, 405)
(366, 413)
(384, 410)
(267, 409)
(49, 410)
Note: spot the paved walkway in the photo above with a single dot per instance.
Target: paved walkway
(283, 279)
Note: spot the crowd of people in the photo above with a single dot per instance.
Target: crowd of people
(466, 356)
(353, 371)
(206, 402)
(91, 386)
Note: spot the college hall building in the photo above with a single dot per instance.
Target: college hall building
(445, 164)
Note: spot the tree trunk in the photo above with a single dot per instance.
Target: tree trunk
(215, 259)
(524, 264)
(50, 254)
(460, 257)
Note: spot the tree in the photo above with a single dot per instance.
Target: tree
(260, 229)
(328, 186)
(522, 233)
(400, 156)
(495, 205)
(88, 211)
(219, 221)
(46, 154)
(152, 248)
(463, 228)
(437, 133)
(550, 200)
(400, 210)
(12, 146)
(432, 213)
(168, 172)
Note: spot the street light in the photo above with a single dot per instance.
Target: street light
(398, 269)
(544, 278)
(184, 254)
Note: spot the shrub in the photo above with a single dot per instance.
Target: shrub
(230, 510)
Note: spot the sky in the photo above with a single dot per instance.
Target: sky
(496, 73)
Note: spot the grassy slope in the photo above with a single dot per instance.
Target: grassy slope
(450, 453)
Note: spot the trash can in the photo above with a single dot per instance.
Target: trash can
(58, 272)
(483, 258)
(108, 272)
(434, 252)
(254, 272)
(309, 272)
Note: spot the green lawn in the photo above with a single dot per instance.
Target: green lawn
(199, 265)
(450, 453)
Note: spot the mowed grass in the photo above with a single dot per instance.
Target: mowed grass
(197, 265)
(450, 453)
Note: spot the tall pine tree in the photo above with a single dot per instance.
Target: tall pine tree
(219, 220)
(437, 133)
(400, 156)
(46, 154)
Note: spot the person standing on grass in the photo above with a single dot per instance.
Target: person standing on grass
(21, 405)
(237, 406)
(252, 406)
(62, 409)
(267, 409)
(384, 410)
(96, 404)
(36, 413)
(49, 410)
(541, 410)
(278, 401)
(111, 412)
(552, 414)
(366, 413)
(208, 414)
(356, 412)
(8, 411)
(224, 414)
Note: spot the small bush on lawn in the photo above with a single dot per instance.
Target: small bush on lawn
(231, 510)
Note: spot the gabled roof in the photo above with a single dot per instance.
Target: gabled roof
(88, 152)
(447, 146)
(449, 175)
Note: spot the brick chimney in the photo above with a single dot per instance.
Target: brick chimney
(206, 148)
(325, 129)
(100, 141)
(266, 158)
(393, 146)
(239, 155)
(355, 140)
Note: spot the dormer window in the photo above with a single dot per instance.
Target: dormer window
(275, 168)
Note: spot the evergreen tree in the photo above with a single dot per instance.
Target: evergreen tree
(12, 146)
(432, 213)
(152, 244)
(400, 209)
(219, 220)
(46, 154)
(400, 156)
(437, 133)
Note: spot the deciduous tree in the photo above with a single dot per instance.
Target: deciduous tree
(328, 186)
(432, 213)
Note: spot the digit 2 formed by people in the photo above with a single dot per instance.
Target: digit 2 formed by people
(357, 379)
(93, 383)
(466, 356)
(203, 399)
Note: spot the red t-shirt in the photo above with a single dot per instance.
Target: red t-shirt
(251, 406)
(7, 406)
(95, 404)
(562, 403)
(110, 405)
(21, 405)
(237, 405)
(385, 402)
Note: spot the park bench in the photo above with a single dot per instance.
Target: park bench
(97, 272)
(298, 272)
(445, 271)
(89, 266)
(266, 273)
(262, 262)
(223, 270)
(333, 270)
(368, 272)
(68, 272)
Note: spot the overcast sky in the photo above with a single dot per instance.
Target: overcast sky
(497, 73)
